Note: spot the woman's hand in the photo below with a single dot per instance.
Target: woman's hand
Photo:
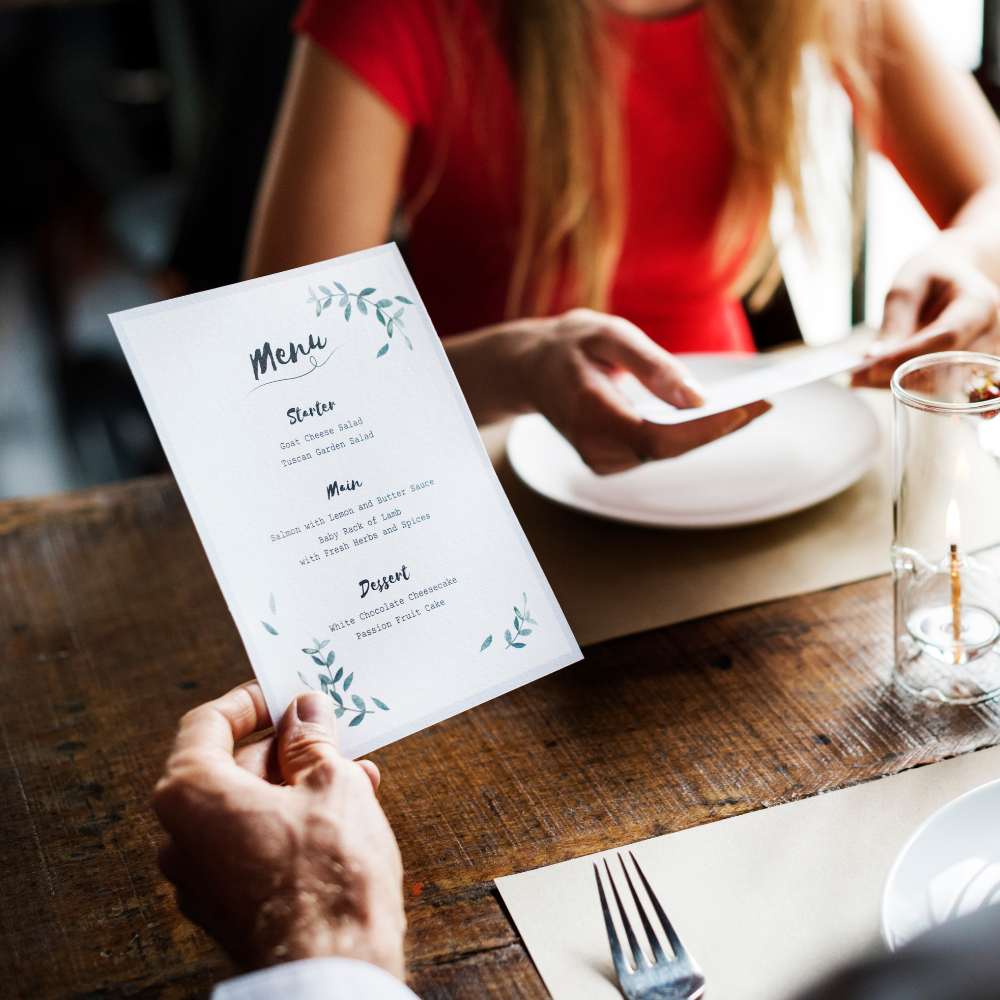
(565, 368)
(276, 872)
(940, 301)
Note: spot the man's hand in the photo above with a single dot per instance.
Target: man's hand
(279, 872)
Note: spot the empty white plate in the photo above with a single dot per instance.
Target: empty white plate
(948, 868)
(817, 441)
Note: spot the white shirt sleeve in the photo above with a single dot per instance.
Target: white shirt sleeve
(315, 979)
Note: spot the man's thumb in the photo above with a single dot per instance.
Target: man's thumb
(307, 741)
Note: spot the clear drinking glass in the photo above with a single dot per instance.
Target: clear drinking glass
(946, 502)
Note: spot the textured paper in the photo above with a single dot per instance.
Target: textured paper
(614, 579)
(767, 903)
(729, 393)
(337, 482)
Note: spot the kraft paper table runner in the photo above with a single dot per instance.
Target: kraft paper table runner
(616, 579)
(767, 902)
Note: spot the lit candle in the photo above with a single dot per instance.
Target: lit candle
(953, 532)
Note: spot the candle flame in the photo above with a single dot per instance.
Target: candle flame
(953, 524)
(962, 467)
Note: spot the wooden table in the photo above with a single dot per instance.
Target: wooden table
(112, 626)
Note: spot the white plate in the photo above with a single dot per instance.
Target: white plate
(949, 867)
(817, 441)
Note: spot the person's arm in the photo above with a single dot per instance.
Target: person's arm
(330, 187)
(333, 172)
(280, 849)
(937, 128)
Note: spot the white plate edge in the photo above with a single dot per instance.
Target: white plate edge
(905, 849)
(606, 513)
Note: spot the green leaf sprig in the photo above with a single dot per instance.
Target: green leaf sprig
(363, 302)
(520, 632)
(328, 684)
(520, 617)
(274, 611)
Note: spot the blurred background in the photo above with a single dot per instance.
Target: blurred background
(133, 133)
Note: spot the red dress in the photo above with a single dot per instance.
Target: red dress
(463, 241)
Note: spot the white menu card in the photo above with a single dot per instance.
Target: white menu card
(348, 508)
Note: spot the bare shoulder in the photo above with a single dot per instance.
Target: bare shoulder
(333, 172)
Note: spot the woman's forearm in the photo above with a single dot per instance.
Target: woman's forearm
(975, 230)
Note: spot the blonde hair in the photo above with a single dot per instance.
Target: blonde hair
(568, 66)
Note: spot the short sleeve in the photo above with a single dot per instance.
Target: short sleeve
(394, 46)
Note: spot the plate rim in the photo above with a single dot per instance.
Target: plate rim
(908, 846)
(618, 516)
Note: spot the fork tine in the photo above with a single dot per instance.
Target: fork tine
(638, 958)
(621, 966)
(654, 942)
(675, 942)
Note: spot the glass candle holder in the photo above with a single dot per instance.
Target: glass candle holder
(946, 547)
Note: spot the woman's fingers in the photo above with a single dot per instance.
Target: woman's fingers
(623, 345)
(968, 322)
(877, 373)
(631, 444)
(903, 305)
(939, 302)
(571, 375)
(972, 315)
(670, 440)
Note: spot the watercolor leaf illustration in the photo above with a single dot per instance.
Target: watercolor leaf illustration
(328, 685)
(328, 680)
(522, 617)
(363, 301)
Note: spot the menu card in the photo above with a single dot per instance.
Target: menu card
(348, 508)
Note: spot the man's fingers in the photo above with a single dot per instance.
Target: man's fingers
(372, 771)
(169, 859)
(307, 741)
(260, 758)
(202, 764)
(212, 730)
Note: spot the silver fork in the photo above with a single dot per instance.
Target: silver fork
(678, 978)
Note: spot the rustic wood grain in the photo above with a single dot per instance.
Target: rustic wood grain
(111, 626)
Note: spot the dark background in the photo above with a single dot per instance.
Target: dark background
(133, 134)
